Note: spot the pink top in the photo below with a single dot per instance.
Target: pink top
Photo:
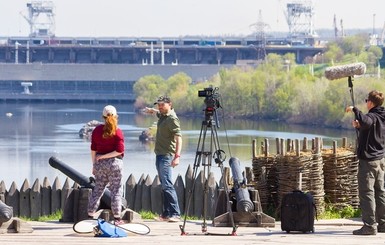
(106, 145)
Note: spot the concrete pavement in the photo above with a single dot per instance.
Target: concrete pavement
(337, 231)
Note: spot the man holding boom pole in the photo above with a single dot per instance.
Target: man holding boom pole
(370, 153)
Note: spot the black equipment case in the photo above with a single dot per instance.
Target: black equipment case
(298, 210)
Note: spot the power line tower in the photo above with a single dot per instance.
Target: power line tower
(41, 18)
(259, 29)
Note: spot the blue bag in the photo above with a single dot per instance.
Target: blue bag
(105, 229)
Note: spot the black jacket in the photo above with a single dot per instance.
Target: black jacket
(371, 138)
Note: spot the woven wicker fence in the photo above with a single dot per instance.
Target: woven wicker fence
(330, 175)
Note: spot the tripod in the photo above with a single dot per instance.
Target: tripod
(204, 157)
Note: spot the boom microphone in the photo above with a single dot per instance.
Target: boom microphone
(337, 72)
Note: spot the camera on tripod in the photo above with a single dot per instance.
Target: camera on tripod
(211, 97)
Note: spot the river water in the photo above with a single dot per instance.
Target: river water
(32, 133)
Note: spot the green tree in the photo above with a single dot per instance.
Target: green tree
(353, 44)
(334, 53)
(147, 89)
(178, 87)
(277, 88)
(237, 85)
(376, 52)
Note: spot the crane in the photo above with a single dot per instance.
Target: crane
(40, 18)
(300, 17)
(335, 26)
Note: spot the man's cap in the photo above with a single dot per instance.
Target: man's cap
(109, 110)
(163, 99)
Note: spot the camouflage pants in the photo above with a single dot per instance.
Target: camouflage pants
(107, 172)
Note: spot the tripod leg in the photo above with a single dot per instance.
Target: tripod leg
(187, 206)
(200, 157)
(220, 159)
(197, 161)
(206, 173)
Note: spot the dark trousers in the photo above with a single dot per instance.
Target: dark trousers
(372, 191)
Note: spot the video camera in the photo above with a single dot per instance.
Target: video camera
(211, 97)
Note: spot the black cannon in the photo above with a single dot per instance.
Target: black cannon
(6, 212)
(83, 181)
(246, 209)
(243, 201)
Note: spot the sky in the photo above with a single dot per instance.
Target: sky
(174, 18)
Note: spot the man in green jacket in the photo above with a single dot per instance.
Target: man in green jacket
(168, 145)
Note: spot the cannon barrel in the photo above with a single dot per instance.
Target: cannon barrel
(244, 203)
(71, 173)
(82, 180)
(6, 212)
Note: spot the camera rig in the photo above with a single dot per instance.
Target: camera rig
(211, 96)
(207, 151)
(212, 103)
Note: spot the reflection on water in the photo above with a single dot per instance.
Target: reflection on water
(35, 132)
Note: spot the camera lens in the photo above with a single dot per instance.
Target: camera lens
(202, 93)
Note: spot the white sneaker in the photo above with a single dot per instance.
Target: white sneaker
(174, 219)
(161, 218)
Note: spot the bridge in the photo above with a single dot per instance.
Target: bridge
(64, 69)
(214, 51)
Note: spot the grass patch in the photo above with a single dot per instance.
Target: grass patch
(55, 216)
(334, 212)
(147, 214)
(151, 215)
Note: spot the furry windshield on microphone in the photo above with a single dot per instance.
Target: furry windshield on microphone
(337, 72)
